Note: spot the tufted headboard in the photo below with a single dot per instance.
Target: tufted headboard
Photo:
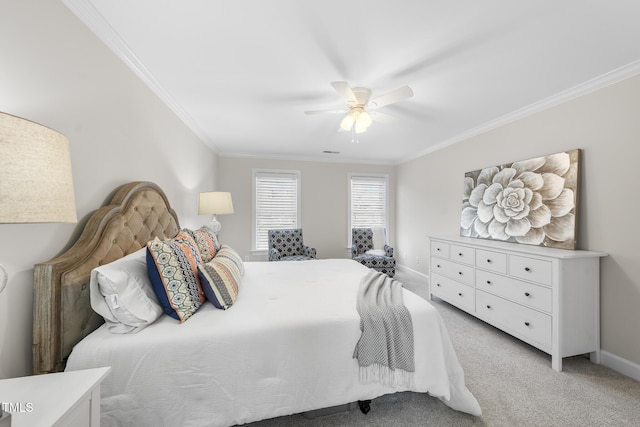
(62, 315)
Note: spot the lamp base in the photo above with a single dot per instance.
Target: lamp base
(3, 278)
(215, 225)
(5, 419)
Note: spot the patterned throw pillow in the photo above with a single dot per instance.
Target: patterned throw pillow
(221, 277)
(173, 270)
(206, 240)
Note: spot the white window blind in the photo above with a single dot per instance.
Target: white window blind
(276, 202)
(367, 201)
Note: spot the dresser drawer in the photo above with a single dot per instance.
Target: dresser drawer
(453, 292)
(459, 272)
(494, 261)
(462, 254)
(528, 323)
(440, 249)
(530, 269)
(525, 293)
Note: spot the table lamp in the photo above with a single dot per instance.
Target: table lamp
(215, 203)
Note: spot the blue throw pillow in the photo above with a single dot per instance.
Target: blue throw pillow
(173, 270)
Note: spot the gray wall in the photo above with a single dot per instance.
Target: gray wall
(57, 73)
(324, 202)
(605, 125)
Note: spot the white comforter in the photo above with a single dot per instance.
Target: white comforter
(284, 347)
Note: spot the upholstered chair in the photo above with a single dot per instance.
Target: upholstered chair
(287, 245)
(363, 251)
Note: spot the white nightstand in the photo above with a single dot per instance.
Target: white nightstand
(65, 399)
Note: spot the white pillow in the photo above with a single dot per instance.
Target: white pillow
(376, 252)
(121, 292)
(379, 238)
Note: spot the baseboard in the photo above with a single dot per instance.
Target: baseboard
(411, 270)
(618, 364)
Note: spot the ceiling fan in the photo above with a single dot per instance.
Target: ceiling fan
(361, 109)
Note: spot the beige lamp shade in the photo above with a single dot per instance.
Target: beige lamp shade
(36, 184)
(215, 202)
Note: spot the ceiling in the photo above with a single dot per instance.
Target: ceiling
(240, 73)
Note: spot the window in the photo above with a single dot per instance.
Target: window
(367, 201)
(276, 203)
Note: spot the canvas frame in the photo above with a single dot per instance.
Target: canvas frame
(532, 201)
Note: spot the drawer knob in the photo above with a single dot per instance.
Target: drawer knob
(488, 282)
(438, 249)
(438, 284)
(460, 273)
(489, 261)
(527, 294)
(527, 323)
(488, 306)
(459, 294)
(459, 253)
(527, 269)
(438, 265)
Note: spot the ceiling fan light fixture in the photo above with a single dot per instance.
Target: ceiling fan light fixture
(359, 128)
(364, 119)
(357, 117)
(348, 121)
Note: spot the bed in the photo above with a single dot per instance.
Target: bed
(285, 346)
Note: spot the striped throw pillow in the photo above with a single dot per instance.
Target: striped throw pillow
(220, 277)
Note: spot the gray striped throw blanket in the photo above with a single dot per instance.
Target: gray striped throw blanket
(385, 349)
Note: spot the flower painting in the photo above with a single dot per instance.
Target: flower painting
(532, 201)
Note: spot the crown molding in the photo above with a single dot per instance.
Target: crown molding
(615, 76)
(308, 158)
(95, 21)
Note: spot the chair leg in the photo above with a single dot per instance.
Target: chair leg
(365, 406)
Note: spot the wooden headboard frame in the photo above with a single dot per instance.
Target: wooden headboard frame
(62, 315)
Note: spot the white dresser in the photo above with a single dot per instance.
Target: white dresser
(549, 298)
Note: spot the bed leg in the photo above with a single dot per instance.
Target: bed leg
(365, 406)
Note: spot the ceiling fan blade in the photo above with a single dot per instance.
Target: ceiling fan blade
(389, 98)
(326, 111)
(377, 116)
(345, 91)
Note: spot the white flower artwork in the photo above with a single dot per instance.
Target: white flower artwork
(531, 201)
